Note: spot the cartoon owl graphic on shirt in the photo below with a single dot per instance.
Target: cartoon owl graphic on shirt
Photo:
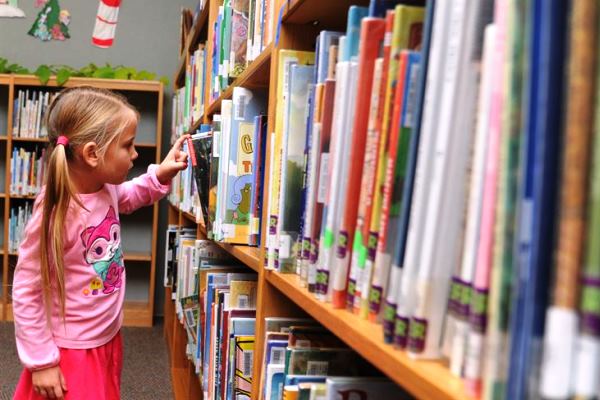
(103, 252)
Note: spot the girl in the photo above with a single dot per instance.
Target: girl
(69, 283)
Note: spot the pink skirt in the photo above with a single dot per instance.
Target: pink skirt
(90, 374)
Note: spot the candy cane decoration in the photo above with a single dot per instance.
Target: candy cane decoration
(106, 23)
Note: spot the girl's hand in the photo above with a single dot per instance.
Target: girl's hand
(49, 383)
(174, 162)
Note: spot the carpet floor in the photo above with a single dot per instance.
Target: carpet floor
(145, 364)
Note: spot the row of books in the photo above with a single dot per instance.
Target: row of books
(188, 101)
(26, 171)
(440, 185)
(19, 216)
(302, 358)
(216, 303)
(28, 113)
(242, 31)
(226, 172)
(429, 165)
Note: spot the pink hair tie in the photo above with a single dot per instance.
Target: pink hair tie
(62, 139)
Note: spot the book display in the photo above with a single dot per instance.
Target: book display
(411, 184)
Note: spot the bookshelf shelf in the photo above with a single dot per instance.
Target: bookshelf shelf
(5, 79)
(132, 256)
(189, 216)
(3, 138)
(146, 145)
(30, 140)
(256, 75)
(425, 379)
(247, 254)
(22, 197)
(113, 84)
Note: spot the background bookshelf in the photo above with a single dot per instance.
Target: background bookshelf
(139, 230)
(279, 295)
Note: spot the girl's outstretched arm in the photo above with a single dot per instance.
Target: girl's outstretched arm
(153, 185)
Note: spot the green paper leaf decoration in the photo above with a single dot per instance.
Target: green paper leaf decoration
(62, 76)
(104, 73)
(43, 72)
(164, 80)
(122, 73)
(144, 75)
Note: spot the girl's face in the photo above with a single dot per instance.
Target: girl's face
(119, 157)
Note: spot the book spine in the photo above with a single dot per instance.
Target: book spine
(561, 317)
(372, 34)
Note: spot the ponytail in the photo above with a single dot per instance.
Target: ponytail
(59, 192)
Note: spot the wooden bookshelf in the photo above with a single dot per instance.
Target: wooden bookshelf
(424, 379)
(112, 84)
(282, 294)
(136, 313)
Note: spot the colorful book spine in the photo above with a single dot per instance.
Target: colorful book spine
(323, 174)
(396, 272)
(485, 245)
(561, 317)
(538, 194)
(406, 295)
(341, 146)
(363, 222)
(496, 363)
(372, 34)
(395, 174)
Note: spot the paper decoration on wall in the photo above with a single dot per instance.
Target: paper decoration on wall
(106, 23)
(51, 22)
(10, 9)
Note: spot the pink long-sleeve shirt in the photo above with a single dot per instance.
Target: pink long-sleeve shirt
(94, 274)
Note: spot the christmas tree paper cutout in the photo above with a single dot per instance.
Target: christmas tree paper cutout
(51, 23)
(10, 9)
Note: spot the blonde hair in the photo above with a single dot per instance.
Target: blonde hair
(83, 114)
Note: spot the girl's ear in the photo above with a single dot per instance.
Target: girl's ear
(89, 154)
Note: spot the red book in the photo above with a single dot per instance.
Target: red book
(371, 37)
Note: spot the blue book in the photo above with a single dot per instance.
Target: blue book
(297, 379)
(542, 112)
(246, 105)
(275, 353)
(378, 8)
(355, 15)
(325, 40)
(259, 141)
(409, 179)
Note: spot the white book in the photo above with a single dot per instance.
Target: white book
(445, 202)
(475, 201)
(222, 182)
(405, 296)
(347, 74)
